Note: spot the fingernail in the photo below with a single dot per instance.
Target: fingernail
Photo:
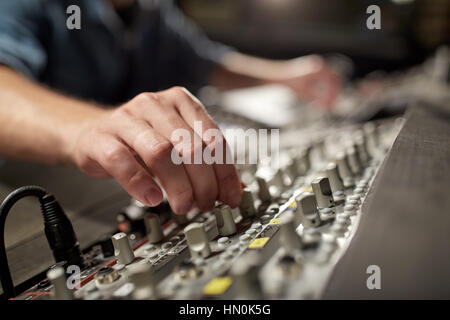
(153, 197)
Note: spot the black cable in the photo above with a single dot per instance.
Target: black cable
(58, 230)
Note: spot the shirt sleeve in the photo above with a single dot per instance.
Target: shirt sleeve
(197, 53)
(20, 46)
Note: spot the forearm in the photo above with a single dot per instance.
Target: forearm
(241, 70)
(37, 124)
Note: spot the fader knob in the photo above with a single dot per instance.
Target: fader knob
(224, 220)
(344, 170)
(336, 183)
(245, 276)
(353, 160)
(197, 240)
(180, 219)
(247, 207)
(57, 277)
(155, 232)
(370, 131)
(263, 190)
(141, 275)
(122, 248)
(307, 212)
(322, 190)
(361, 146)
(289, 238)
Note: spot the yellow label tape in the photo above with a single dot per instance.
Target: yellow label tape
(275, 221)
(217, 286)
(258, 243)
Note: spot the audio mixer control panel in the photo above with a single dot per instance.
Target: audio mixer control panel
(293, 225)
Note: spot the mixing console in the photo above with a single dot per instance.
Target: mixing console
(293, 225)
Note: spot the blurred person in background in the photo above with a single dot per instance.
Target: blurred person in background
(137, 56)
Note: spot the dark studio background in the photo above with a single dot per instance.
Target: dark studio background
(411, 29)
(278, 29)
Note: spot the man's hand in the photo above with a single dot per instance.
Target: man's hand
(312, 79)
(133, 143)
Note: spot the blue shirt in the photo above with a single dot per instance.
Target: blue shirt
(107, 60)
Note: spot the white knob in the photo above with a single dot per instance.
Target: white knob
(289, 238)
(58, 279)
(322, 190)
(344, 170)
(197, 240)
(307, 212)
(263, 191)
(155, 232)
(141, 275)
(122, 248)
(224, 220)
(247, 206)
(334, 177)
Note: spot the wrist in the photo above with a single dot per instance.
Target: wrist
(72, 130)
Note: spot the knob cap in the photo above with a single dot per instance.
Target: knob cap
(247, 207)
(322, 190)
(344, 170)
(197, 240)
(263, 191)
(353, 160)
(334, 178)
(141, 275)
(224, 220)
(155, 232)
(289, 238)
(58, 279)
(180, 219)
(361, 146)
(122, 248)
(245, 273)
(307, 212)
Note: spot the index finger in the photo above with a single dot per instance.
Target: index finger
(193, 111)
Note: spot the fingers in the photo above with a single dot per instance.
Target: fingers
(192, 110)
(155, 152)
(160, 113)
(117, 160)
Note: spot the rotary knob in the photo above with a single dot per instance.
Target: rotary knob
(344, 170)
(353, 160)
(289, 238)
(336, 183)
(58, 279)
(197, 240)
(307, 212)
(180, 219)
(263, 190)
(361, 146)
(322, 190)
(155, 232)
(245, 276)
(141, 275)
(122, 248)
(224, 220)
(247, 207)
